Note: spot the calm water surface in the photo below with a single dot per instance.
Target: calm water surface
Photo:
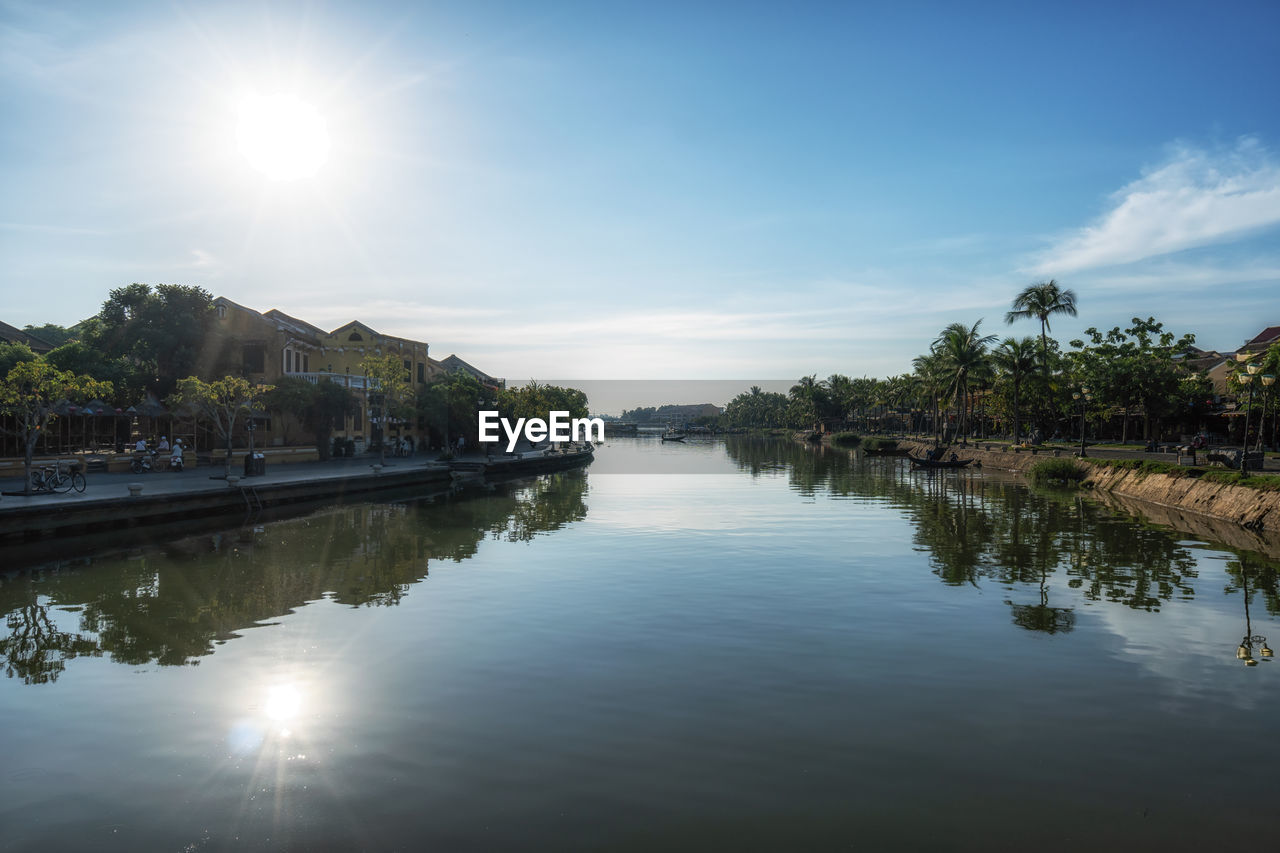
(767, 646)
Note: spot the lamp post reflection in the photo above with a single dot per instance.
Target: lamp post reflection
(1244, 652)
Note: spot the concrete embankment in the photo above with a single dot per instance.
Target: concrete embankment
(1252, 508)
(115, 501)
(1239, 505)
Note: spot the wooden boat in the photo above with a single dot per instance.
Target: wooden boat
(674, 436)
(922, 462)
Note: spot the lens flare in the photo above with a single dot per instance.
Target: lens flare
(282, 136)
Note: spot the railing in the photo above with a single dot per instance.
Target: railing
(348, 380)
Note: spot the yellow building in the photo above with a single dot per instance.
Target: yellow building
(269, 346)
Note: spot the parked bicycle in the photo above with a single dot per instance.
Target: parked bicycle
(62, 477)
(142, 462)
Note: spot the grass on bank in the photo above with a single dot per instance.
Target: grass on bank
(1056, 472)
(879, 444)
(847, 439)
(1225, 476)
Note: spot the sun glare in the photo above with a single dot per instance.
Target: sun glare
(283, 701)
(282, 136)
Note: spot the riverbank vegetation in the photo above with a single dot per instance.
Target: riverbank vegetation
(1139, 380)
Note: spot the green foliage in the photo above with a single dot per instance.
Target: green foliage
(320, 407)
(51, 333)
(1137, 367)
(80, 358)
(13, 354)
(879, 445)
(847, 439)
(29, 392)
(162, 330)
(1056, 472)
(222, 402)
(1223, 476)
(450, 405)
(535, 400)
(757, 409)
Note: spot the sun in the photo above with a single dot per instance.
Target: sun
(282, 136)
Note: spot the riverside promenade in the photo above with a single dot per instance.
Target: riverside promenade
(108, 502)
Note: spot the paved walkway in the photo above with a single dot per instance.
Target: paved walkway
(103, 486)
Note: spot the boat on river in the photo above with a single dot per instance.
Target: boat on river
(923, 462)
(673, 435)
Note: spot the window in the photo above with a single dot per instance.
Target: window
(354, 336)
(357, 420)
(306, 363)
(221, 311)
(253, 358)
(422, 375)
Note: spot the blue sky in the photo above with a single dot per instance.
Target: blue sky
(652, 190)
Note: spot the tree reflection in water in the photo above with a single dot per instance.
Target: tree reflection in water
(979, 529)
(174, 604)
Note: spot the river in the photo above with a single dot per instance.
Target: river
(751, 645)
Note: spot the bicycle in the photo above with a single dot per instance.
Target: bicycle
(62, 477)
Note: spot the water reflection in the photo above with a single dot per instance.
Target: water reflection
(1242, 573)
(174, 604)
(980, 528)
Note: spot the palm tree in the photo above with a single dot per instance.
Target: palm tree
(1016, 360)
(963, 354)
(929, 372)
(1042, 301)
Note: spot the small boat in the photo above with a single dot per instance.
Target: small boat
(672, 435)
(922, 462)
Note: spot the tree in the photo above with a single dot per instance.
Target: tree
(1042, 301)
(316, 405)
(11, 354)
(757, 409)
(30, 390)
(1016, 360)
(78, 357)
(962, 352)
(51, 333)
(1137, 367)
(162, 330)
(394, 395)
(535, 400)
(222, 401)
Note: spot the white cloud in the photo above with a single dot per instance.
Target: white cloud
(1197, 198)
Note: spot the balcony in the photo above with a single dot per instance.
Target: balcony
(347, 380)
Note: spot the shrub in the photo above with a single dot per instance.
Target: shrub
(1056, 472)
(847, 439)
(879, 444)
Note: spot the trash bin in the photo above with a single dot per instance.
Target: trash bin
(255, 464)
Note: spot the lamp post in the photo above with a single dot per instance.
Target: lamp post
(1083, 396)
(1268, 379)
(1246, 378)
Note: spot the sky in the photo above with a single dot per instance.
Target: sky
(652, 190)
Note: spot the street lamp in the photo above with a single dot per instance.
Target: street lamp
(1246, 378)
(1083, 396)
(1268, 379)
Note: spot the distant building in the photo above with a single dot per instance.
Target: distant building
(453, 364)
(14, 335)
(1261, 341)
